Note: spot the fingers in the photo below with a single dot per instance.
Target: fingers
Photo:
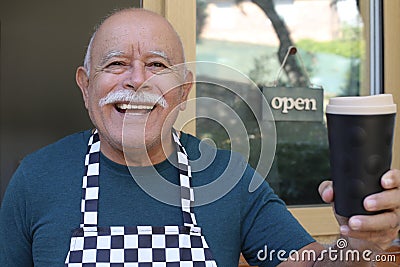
(378, 222)
(380, 229)
(385, 200)
(391, 179)
(325, 190)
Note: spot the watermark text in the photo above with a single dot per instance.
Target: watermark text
(338, 253)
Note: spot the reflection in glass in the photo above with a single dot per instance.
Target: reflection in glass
(253, 37)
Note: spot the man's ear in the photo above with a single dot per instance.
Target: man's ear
(186, 88)
(82, 79)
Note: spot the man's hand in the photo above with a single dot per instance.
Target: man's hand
(381, 229)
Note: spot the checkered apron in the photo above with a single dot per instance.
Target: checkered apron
(140, 246)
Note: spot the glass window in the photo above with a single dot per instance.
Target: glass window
(253, 39)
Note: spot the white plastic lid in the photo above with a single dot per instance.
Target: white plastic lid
(362, 105)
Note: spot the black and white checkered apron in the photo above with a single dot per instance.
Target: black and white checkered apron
(140, 246)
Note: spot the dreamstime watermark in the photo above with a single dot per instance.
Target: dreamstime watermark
(339, 253)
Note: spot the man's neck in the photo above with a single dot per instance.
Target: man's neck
(145, 156)
(149, 156)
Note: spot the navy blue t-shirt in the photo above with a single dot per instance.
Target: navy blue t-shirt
(41, 207)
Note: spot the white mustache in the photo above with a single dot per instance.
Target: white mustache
(133, 97)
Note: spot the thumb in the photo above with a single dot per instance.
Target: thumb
(325, 190)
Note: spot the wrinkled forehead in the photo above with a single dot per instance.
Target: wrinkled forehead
(137, 33)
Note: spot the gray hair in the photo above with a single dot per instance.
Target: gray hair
(87, 60)
(88, 56)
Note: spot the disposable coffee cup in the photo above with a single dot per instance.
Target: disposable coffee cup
(360, 133)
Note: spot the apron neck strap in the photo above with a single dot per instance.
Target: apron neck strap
(185, 176)
(90, 183)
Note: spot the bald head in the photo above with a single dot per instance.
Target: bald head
(140, 20)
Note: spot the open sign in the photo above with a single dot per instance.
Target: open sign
(287, 103)
(295, 104)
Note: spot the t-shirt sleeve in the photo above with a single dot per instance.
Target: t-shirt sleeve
(15, 239)
(269, 232)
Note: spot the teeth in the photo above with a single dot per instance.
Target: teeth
(130, 106)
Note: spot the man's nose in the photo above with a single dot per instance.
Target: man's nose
(136, 76)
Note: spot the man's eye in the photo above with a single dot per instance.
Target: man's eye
(116, 63)
(157, 65)
(115, 67)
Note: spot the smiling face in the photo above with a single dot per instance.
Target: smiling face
(134, 91)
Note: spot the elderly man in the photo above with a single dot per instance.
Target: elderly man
(75, 202)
